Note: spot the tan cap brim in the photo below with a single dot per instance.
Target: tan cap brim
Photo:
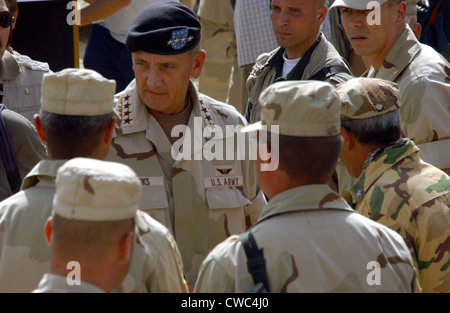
(356, 4)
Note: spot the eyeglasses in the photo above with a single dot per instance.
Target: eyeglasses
(6, 19)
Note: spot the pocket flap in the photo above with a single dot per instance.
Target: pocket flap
(223, 198)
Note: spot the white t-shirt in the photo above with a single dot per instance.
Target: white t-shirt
(119, 22)
(288, 65)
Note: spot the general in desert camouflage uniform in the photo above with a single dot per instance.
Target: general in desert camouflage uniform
(395, 187)
(312, 240)
(319, 59)
(201, 201)
(422, 74)
(77, 105)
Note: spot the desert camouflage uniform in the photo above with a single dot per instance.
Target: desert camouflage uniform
(25, 254)
(51, 283)
(202, 202)
(313, 241)
(423, 76)
(268, 68)
(399, 190)
(219, 41)
(22, 79)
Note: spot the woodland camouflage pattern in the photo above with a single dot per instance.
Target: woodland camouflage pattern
(202, 202)
(313, 241)
(25, 254)
(412, 197)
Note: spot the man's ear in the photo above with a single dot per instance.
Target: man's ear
(38, 126)
(322, 15)
(126, 246)
(109, 131)
(199, 61)
(348, 140)
(401, 12)
(48, 230)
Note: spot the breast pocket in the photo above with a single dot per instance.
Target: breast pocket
(154, 199)
(226, 202)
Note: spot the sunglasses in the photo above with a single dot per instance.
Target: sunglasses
(6, 19)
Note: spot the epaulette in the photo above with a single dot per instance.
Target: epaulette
(26, 61)
(261, 63)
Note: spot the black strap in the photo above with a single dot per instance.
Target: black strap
(256, 264)
(7, 156)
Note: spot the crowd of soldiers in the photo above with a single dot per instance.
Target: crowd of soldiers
(117, 184)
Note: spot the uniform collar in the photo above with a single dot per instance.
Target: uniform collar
(304, 198)
(44, 170)
(9, 68)
(134, 118)
(58, 283)
(380, 164)
(406, 48)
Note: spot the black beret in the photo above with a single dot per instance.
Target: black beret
(164, 27)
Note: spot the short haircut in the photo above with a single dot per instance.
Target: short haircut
(314, 157)
(12, 6)
(75, 238)
(379, 130)
(72, 135)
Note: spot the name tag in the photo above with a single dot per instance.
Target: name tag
(154, 181)
(230, 181)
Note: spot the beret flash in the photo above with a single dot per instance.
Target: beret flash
(164, 27)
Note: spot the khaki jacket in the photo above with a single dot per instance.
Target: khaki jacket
(268, 68)
(202, 202)
(25, 254)
(22, 80)
(313, 241)
(423, 76)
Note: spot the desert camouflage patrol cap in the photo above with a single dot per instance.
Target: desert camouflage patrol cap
(300, 109)
(75, 91)
(356, 4)
(94, 190)
(367, 97)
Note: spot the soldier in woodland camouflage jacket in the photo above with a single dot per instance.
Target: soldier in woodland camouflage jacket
(311, 238)
(394, 186)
